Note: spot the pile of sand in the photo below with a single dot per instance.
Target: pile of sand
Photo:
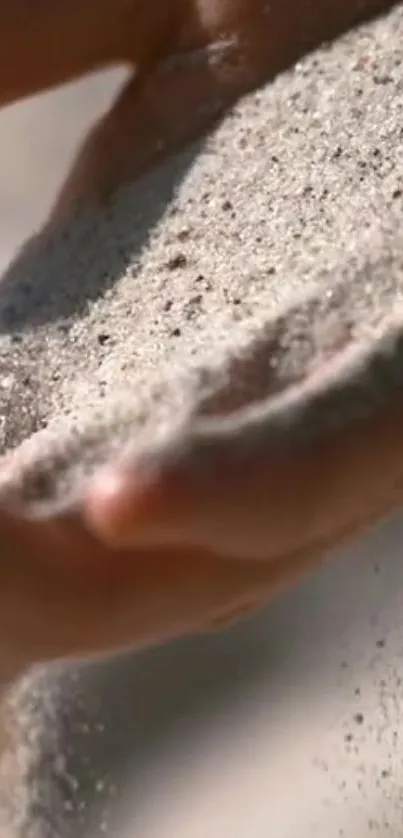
(213, 286)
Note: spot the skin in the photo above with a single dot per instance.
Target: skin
(150, 557)
(165, 103)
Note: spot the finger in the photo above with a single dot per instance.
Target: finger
(257, 500)
(220, 50)
(213, 54)
(153, 117)
(45, 43)
(52, 609)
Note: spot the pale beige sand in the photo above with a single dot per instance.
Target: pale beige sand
(296, 196)
(297, 193)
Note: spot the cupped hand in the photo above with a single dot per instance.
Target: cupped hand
(166, 548)
(139, 564)
(66, 594)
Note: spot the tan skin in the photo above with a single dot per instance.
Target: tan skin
(144, 562)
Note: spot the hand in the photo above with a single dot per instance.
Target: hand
(160, 549)
(65, 594)
(190, 61)
(140, 563)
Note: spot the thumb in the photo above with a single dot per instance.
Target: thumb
(252, 498)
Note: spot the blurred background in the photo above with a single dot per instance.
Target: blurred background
(289, 724)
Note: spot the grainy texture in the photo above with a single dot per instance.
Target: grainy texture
(297, 195)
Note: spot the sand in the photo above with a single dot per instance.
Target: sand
(297, 196)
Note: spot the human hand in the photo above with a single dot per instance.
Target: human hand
(190, 60)
(177, 545)
(108, 576)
